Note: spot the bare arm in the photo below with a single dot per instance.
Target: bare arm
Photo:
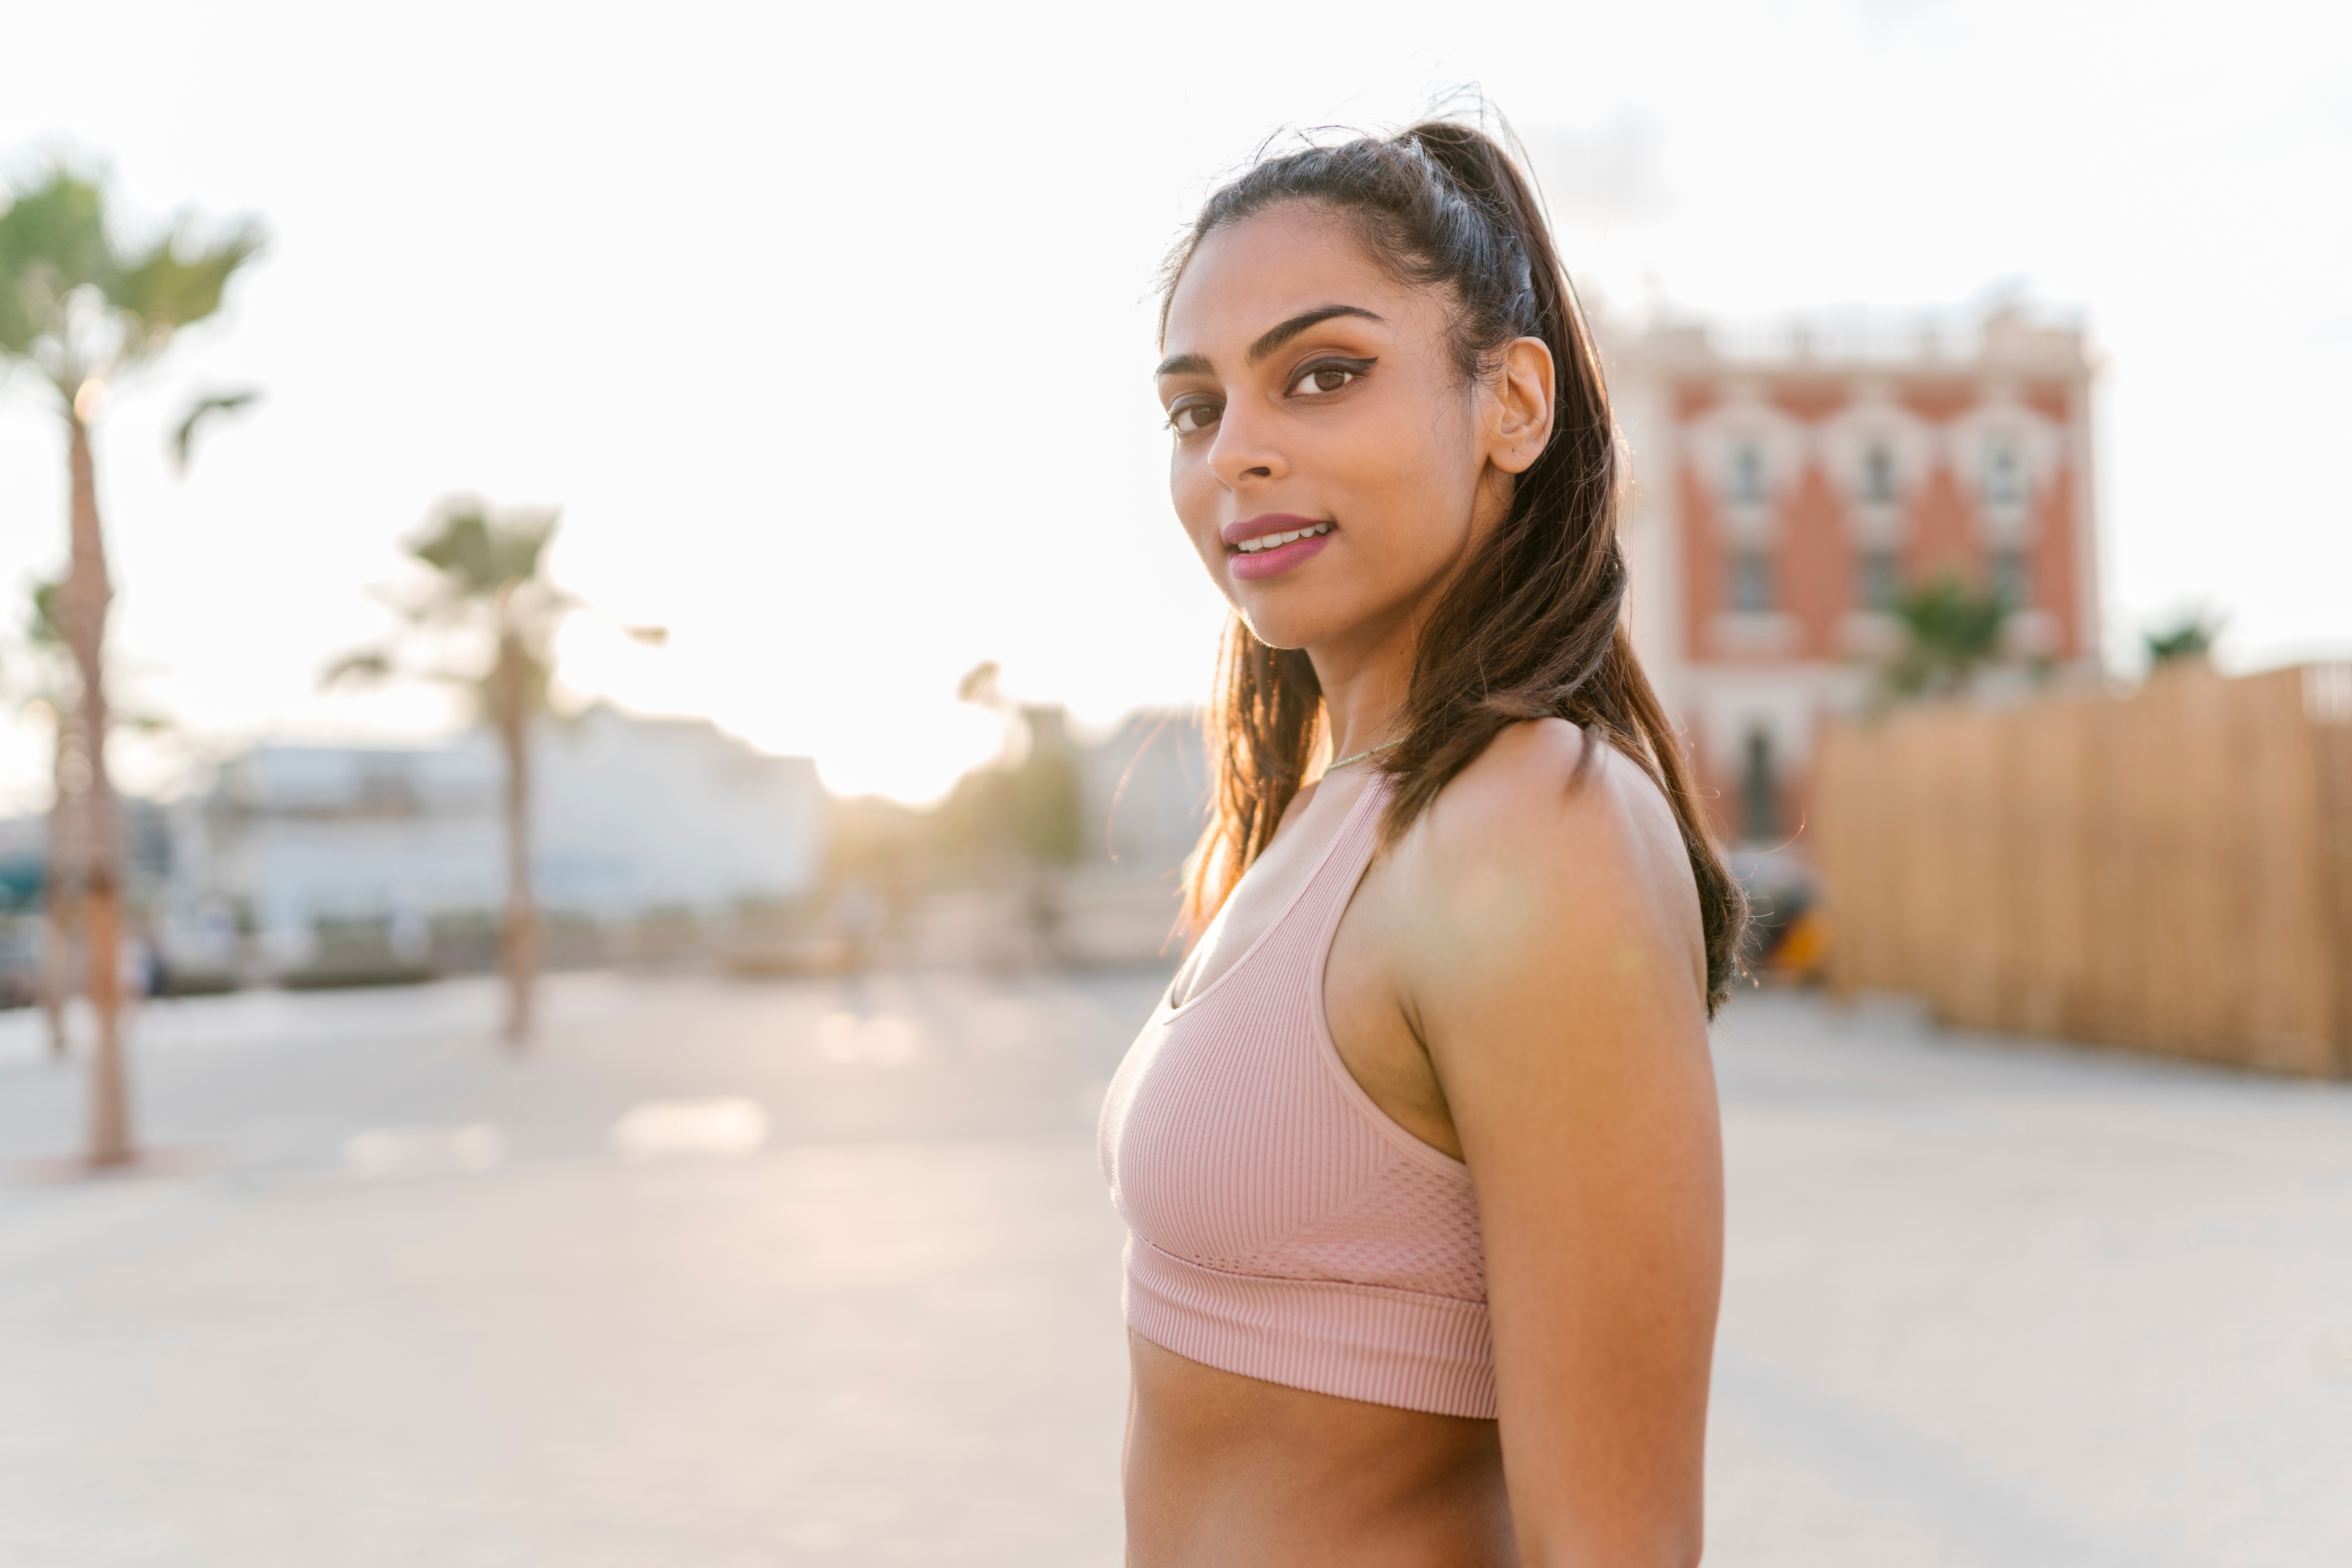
(1559, 990)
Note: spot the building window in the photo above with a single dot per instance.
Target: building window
(1879, 579)
(1878, 474)
(2012, 579)
(2004, 475)
(1759, 791)
(1751, 582)
(1748, 473)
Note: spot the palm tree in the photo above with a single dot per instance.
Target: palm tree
(484, 620)
(1950, 632)
(85, 313)
(2187, 639)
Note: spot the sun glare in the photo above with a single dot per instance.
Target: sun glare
(916, 758)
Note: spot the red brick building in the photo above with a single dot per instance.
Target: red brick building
(1790, 485)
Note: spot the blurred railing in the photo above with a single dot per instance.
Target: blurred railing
(2169, 871)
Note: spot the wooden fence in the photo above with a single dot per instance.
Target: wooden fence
(2169, 871)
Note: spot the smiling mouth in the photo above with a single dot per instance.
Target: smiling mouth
(1270, 540)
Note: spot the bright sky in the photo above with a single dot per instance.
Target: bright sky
(830, 328)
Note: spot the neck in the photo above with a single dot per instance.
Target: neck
(1366, 673)
(1364, 677)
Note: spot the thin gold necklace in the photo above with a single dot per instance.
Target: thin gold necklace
(1366, 752)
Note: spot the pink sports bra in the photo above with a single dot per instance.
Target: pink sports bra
(1280, 1224)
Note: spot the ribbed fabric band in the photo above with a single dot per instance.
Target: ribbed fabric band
(1356, 1342)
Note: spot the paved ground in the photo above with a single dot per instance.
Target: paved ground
(820, 1273)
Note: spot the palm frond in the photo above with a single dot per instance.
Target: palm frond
(479, 549)
(361, 667)
(178, 282)
(979, 685)
(2187, 638)
(52, 242)
(202, 412)
(43, 629)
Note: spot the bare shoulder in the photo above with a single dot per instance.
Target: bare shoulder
(1540, 778)
(1540, 801)
(1543, 844)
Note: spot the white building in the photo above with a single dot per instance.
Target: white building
(628, 815)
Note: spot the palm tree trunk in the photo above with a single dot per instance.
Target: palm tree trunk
(62, 886)
(82, 615)
(511, 716)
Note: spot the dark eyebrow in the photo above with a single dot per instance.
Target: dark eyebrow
(1278, 336)
(1271, 339)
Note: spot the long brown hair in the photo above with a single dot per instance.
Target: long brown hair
(1531, 625)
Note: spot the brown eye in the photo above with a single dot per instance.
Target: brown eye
(1187, 417)
(1323, 378)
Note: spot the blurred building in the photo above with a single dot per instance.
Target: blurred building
(1791, 484)
(1090, 836)
(630, 816)
(1143, 793)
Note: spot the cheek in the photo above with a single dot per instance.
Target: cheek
(1412, 479)
(1188, 488)
(1195, 491)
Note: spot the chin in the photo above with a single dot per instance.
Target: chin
(1288, 626)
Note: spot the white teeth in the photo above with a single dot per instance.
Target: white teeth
(1272, 540)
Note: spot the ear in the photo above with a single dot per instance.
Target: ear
(1520, 417)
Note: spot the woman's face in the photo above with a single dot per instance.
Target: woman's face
(1310, 394)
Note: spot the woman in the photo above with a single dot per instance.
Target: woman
(1420, 1154)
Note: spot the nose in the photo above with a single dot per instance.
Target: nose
(1245, 448)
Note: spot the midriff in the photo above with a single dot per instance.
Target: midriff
(1226, 1471)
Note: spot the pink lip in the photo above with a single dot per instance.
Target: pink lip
(1274, 562)
(1282, 557)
